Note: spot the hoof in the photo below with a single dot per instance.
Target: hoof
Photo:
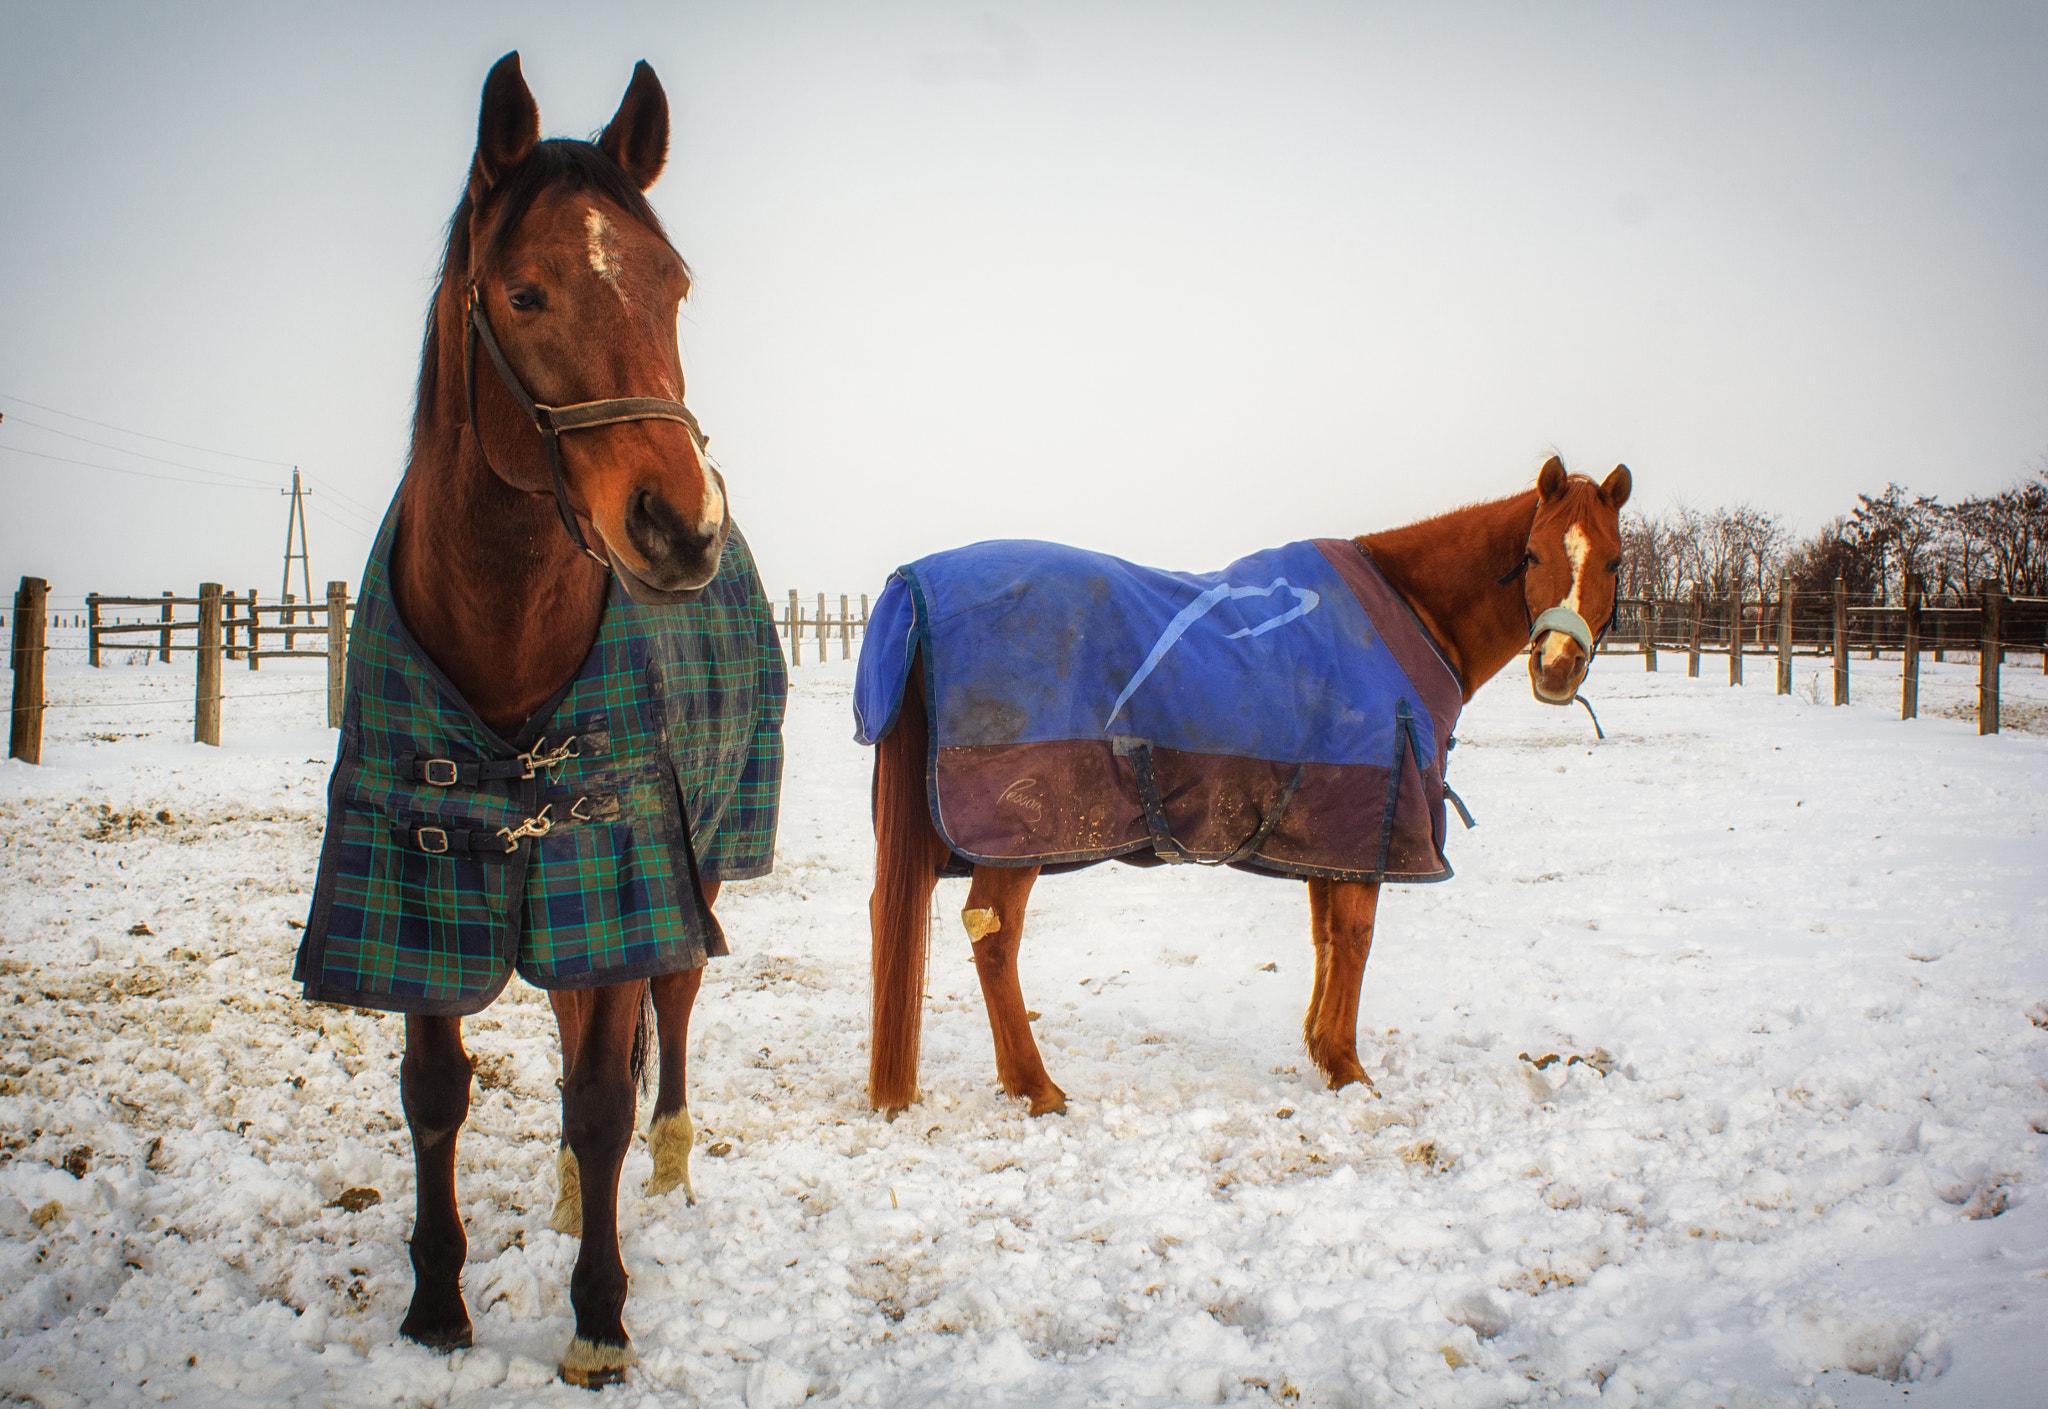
(1356, 1075)
(590, 1365)
(437, 1337)
(669, 1139)
(1053, 1102)
(568, 1214)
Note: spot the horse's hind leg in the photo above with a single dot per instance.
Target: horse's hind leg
(573, 1007)
(433, 1085)
(669, 1131)
(597, 1118)
(1319, 933)
(995, 922)
(1341, 913)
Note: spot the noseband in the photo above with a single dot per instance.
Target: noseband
(1561, 619)
(551, 421)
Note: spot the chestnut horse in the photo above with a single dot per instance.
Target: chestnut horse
(578, 290)
(1485, 582)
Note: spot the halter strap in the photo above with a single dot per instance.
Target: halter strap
(551, 421)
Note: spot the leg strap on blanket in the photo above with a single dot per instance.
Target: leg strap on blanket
(1139, 752)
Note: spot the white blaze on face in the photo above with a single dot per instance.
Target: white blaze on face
(1575, 550)
(714, 503)
(604, 254)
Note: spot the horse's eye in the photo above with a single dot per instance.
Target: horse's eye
(1614, 566)
(526, 300)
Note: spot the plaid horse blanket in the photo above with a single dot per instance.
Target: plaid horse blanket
(453, 856)
(1286, 715)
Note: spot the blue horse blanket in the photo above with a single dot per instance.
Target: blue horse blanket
(1287, 714)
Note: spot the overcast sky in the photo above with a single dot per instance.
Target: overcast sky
(1177, 281)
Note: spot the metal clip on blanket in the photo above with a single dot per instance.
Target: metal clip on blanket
(553, 759)
(538, 825)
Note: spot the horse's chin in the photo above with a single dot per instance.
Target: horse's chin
(644, 593)
(1543, 696)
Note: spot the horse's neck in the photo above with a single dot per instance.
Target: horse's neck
(1448, 569)
(483, 575)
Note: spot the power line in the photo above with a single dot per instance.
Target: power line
(163, 440)
(328, 485)
(143, 474)
(158, 459)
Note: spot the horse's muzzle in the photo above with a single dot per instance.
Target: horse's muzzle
(1560, 654)
(682, 557)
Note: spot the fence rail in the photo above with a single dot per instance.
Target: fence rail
(1834, 625)
(226, 625)
(1829, 625)
(798, 623)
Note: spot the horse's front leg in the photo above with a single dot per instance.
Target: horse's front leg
(670, 1133)
(597, 1119)
(995, 923)
(1341, 914)
(433, 1086)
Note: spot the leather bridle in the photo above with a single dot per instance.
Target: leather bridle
(1559, 618)
(551, 421)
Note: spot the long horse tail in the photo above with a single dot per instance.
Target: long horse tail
(643, 1039)
(907, 852)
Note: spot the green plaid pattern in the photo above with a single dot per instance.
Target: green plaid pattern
(676, 712)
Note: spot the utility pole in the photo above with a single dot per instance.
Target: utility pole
(295, 520)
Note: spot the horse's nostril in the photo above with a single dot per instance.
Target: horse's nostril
(659, 533)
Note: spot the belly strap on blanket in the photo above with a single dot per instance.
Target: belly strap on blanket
(1139, 752)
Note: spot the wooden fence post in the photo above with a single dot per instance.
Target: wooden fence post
(864, 633)
(1909, 651)
(255, 630)
(206, 698)
(337, 649)
(1650, 635)
(25, 730)
(1988, 652)
(1841, 642)
(1785, 607)
(92, 629)
(1735, 633)
(845, 630)
(821, 628)
(163, 639)
(794, 622)
(1692, 663)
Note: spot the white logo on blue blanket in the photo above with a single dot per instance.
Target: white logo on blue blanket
(1304, 602)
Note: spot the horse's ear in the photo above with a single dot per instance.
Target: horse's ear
(1550, 480)
(1614, 490)
(506, 129)
(637, 136)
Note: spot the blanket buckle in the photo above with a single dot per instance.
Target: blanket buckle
(425, 832)
(440, 772)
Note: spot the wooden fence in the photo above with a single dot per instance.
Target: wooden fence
(1830, 625)
(1835, 626)
(798, 623)
(223, 626)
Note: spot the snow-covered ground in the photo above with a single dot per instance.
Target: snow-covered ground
(1718, 1076)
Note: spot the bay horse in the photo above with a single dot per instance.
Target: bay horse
(557, 278)
(1485, 582)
